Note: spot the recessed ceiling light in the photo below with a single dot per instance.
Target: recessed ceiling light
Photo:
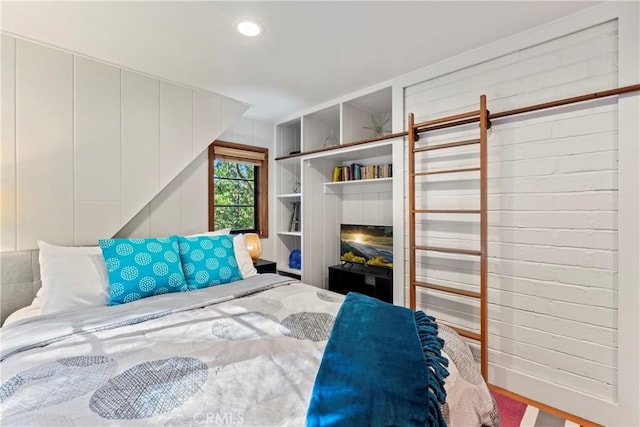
(249, 28)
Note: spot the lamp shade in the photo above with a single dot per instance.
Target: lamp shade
(253, 246)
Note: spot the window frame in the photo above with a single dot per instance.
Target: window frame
(261, 190)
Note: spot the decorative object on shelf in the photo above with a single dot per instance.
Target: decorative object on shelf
(295, 259)
(379, 124)
(330, 140)
(253, 246)
(296, 187)
(294, 221)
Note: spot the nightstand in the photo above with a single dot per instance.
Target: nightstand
(265, 266)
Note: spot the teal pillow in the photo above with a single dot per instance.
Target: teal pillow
(140, 268)
(208, 260)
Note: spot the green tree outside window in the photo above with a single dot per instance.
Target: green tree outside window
(238, 188)
(234, 195)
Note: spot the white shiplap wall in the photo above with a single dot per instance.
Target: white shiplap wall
(552, 204)
(86, 144)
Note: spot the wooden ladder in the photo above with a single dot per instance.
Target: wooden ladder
(414, 130)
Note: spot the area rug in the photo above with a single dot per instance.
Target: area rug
(518, 414)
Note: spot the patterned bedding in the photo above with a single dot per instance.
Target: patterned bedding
(240, 354)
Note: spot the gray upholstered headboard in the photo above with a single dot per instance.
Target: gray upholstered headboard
(19, 280)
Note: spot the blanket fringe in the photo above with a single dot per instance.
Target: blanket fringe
(432, 346)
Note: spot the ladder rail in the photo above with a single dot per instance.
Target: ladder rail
(484, 345)
(414, 129)
(412, 213)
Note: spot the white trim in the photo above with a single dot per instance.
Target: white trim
(398, 188)
(628, 222)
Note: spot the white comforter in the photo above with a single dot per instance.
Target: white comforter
(245, 361)
(224, 355)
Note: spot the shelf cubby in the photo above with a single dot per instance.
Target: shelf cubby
(359, 114)
(321, 129)
(289, 136)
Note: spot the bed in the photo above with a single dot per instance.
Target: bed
(246, 352)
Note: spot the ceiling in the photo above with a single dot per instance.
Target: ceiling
(309, 53)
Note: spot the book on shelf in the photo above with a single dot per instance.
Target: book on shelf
(337, 174)
(357, 172)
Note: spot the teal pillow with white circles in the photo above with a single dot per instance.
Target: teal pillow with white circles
(208, 260)
(140, 268)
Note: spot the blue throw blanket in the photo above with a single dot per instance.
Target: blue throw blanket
(382, 367)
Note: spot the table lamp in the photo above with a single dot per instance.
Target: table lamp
(253, 246)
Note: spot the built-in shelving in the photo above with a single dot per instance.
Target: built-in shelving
(311, 146)
(288, 186)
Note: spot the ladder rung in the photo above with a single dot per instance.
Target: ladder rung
(447, 119)
(464, 332)
(447, 145)
(450, 211)
(448, 289)
(448, 250)
(446, 171)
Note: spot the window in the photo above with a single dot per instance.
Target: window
(238, 196)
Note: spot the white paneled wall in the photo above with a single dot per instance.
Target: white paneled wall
(140, 141)
(553, 213)
(87, 145)
(207, 120)
(44, 145)
(97, 149)
(194, 195)
(8, 209)
(182, 206)
(176, 130)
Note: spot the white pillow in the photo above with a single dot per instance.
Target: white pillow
(212, 233)
(72, 277)
(242, 256)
